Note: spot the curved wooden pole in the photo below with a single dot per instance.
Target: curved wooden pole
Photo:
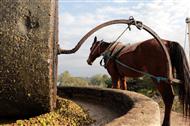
(138, 24)
(85, 37)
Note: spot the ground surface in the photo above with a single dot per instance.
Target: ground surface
(177, 119)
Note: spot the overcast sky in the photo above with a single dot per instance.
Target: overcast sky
(77, 17)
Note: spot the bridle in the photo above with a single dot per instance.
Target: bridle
(106, 53)
(97, 48)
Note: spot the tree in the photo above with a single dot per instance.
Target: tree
(100, 80)
(66, 79)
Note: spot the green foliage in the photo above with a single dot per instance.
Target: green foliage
(108, 83)
(100, 80)
(177, 107)
(65, 79)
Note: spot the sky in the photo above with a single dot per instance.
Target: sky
(77, 17)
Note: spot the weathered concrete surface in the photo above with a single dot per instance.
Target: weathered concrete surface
(130, 108)
(97, 111)
(28, 60)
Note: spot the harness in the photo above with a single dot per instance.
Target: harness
(113, 52)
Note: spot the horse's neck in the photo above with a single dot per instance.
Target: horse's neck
(112, 46)
(105, 46)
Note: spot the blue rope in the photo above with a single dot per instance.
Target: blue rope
(161, 79)
(158, 78)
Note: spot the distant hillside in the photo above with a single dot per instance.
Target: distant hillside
(99, 80)
(66, 79)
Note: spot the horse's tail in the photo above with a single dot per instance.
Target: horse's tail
(180, 63)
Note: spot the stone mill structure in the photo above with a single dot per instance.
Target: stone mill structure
(28, 56)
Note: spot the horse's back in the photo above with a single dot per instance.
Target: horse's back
(143, 45)
(146, 56)
(129, 48)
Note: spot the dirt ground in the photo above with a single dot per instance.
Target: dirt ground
(177, 119)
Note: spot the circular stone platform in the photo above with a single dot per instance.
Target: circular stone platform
(113, 107)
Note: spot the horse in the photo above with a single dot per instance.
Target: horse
(135, 60)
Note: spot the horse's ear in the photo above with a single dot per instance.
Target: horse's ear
(95, 39)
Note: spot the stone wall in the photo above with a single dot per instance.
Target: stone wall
(28, 56)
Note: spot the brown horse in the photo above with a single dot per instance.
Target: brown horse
(146, 57)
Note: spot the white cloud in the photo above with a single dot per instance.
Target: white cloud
(119, 1)
(66, 18)
(110, 10)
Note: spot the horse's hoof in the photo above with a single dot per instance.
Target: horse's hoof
(166, 124)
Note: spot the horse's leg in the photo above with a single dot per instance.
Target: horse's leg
(115, 82)
(165, 90)
(123, 83)
(115, 77)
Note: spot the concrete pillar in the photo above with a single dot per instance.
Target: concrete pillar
(188, 24)
(28, 57)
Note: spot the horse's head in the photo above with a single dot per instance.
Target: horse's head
(95, 51)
